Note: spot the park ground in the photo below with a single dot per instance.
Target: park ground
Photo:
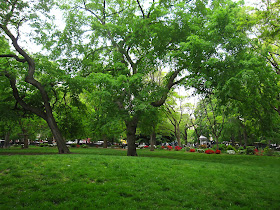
(97, 178)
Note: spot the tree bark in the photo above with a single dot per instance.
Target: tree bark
(61, 145)
(131, 126)
(105, 140)
(178, 135)
(7, 140)
(153, 140)
(25, 141)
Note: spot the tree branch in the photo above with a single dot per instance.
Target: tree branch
(22, 60)
(20, 99)
(169, 85)
(143, 14)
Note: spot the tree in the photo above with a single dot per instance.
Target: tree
(123, 43)
(13, 14)
(267, 42)
(174, 111)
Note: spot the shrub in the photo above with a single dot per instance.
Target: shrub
(73, 145)
(268, 151)
(84, 146)
(229, 147)
(188, 149)
(231, 152)
(177, 148)
(241, 152)
(241, 148)
(169, 147)
(78, 146)
(192, 150)
(146, 146)
(250, 150)
(209, 151)
(256, 151)
(218, 151)
(200, 150)
(203, 146)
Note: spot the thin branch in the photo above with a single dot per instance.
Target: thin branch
(143, 14)
(22, 60)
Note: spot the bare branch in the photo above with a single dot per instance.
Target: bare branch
(22, 60)
(143, 14)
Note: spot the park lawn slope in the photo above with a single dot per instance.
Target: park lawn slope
(107, 179)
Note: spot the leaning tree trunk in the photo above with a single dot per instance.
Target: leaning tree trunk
(131, 136)
(61, 145)
(45, 113)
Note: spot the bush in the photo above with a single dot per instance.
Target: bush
(84, 146)
(250, 150)
(73, 145)
(229, 147)
(203, 146)
(242, 152)
(268, 151)
(241, 148)
(192, 150)
(177, 148)
(200, 150)
(169, 147)
(209, 151)
(188, 149)
(218, 151)
(231, 152)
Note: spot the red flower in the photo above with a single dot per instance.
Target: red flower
(169, 147)
(77, 145)
(192, 150)
(256, 151)
(218, 151)
(162, 147)
(177, 148)
(209, 151)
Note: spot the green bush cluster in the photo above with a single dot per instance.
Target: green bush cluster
(229, 147)
(85, 146)
(250, 150)
(73, 145)
(268, 151)
(44, 145)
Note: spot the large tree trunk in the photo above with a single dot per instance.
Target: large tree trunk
(178, 135)
(131, 136)
(153, 140)
(7, 140)
(61, 145)
(105, 140)
(25, 141)
(217, 141)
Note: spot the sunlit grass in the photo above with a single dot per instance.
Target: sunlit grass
(107, 179)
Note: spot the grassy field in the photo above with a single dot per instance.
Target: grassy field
(96, 178)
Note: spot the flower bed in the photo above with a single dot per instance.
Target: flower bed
(177, 148)
(192, 150)
(209, 151)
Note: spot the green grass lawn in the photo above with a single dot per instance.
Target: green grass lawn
(92, 178)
